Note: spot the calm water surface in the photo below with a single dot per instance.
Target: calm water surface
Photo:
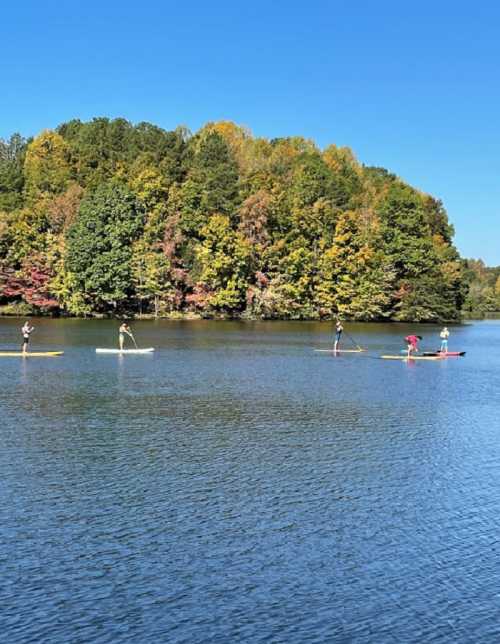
(238, 487)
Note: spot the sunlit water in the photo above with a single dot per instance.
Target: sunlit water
(236, 486)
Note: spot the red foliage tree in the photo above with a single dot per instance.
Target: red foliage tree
(30, 284)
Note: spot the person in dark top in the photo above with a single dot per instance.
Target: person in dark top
(338, 332)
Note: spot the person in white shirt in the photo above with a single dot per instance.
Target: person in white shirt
(27, 330)
(444, 335)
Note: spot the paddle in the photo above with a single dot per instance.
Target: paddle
(354, 343)
(133, 339)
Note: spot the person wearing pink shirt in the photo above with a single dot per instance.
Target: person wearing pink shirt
(412, 342)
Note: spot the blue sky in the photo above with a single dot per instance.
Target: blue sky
(413, 87)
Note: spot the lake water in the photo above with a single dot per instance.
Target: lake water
(236, 486)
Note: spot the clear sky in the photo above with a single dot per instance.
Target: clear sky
(411, 86)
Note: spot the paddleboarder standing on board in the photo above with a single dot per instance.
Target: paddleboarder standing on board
(338, 332)
(444, 335)
(26, 331)
(124, 329)
(412, 342)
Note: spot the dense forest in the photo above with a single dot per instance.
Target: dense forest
(110, 218)
(483, 288)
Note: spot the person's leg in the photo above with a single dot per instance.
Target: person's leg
(121, 341)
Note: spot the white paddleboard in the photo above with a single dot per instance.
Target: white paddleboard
(125, 351)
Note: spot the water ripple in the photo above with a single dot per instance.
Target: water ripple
(236, 487)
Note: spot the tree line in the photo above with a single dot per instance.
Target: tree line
(483, 288)
(107, 217)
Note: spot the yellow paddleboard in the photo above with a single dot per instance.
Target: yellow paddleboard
(30, 354)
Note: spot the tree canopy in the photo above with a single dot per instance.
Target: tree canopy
(107, 217)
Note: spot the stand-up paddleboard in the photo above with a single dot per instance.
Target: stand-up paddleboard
(340, 350)
(445, 354)
(30, 354)
(440, 354)
(433, 357)
(125, 351)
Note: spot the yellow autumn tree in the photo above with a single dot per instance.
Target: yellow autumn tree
(47, 167)
(355, 279)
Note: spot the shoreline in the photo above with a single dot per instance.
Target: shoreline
(193, 317)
